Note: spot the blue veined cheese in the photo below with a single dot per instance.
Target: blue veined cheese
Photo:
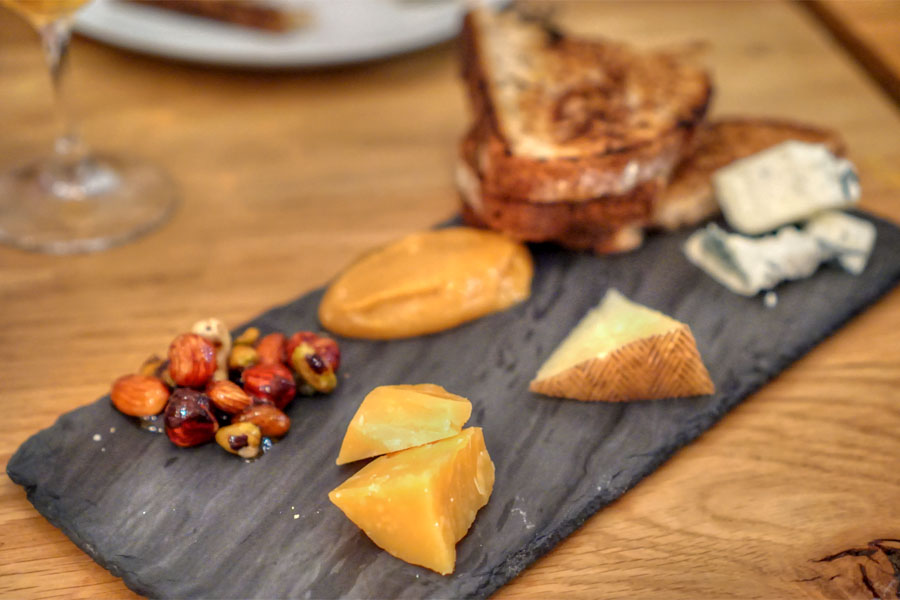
(747, 265)
(786, 183)
(849, 238)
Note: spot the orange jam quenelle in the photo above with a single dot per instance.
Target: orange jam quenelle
(427, 282)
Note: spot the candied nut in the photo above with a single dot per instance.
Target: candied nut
(273, 382)
(248, 338)
(227, 396)
(310, 366)
(192, 360)
(271, 349)
(328, 349)
(152, 366)
(298, 338)
(139, 395)
(271, 421)
(189, 420)
(242, 357)
(166, 376)
(258, 401)
(215, 331)
(324, 346)
(240, 438)
(157, 367)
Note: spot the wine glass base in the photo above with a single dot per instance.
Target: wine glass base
(109, 201)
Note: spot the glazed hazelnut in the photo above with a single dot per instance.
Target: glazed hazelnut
(189, 420)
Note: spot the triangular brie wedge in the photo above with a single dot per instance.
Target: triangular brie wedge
(623, 351)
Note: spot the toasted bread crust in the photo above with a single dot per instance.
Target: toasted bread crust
(688, 199)
(576, 132)
(614, 223)
(604, 225)
(583, 179)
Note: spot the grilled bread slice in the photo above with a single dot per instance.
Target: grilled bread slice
(688, 198)
(604, 225)
(572, 120)
(615, 223)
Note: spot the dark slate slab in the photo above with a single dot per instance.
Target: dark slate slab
(200, 523)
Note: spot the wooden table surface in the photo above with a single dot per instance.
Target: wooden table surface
(870, 30)
(286, 177)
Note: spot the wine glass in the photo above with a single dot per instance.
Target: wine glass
(75, 200)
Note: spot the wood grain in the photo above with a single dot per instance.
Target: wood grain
(287, 176)
(870, 30)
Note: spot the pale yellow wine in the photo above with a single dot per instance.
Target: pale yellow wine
(41, 12)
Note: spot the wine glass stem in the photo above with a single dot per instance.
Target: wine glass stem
(55, 37)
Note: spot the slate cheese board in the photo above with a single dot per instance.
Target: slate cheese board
(199, 523)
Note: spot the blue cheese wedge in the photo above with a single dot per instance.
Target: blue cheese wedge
(748, 265)
(850, 239)
(786, 183)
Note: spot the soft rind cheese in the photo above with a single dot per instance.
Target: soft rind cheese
(622, 351)
(418, 503)
(396, 417)
(786, 183)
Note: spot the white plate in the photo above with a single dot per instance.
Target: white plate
(340, 32)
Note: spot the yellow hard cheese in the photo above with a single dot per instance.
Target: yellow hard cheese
(417, 503)
(395, 417)
(622, 350)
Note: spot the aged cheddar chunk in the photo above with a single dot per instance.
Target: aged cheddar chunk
(417, 503)
(395, 417)
(624, 351)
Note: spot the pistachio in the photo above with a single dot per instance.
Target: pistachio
(242, 357)
(324, 346)
(242, 439)
(313, 369)
(152, 366)
(248, 337)
(157, 367)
